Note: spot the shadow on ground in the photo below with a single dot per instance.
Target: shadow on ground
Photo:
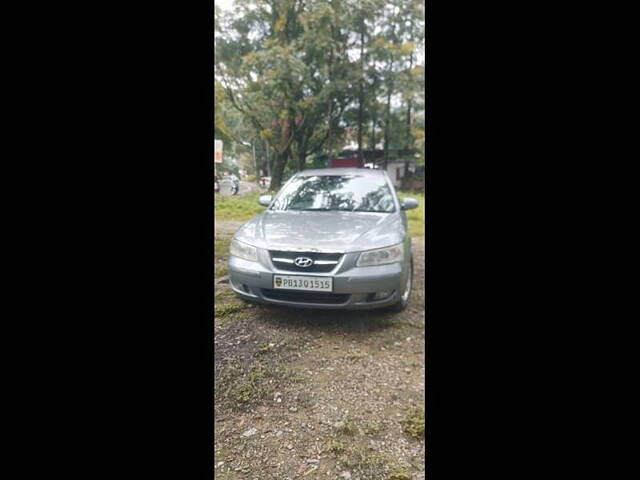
(338, 322)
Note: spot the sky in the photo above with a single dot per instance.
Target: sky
(224, 4)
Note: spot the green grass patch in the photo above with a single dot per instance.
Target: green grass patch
(415, 217)
(251, 387)
(399, 475)
(264, 348)
(238, 208)
(221, 247)
(221, 270)
(372, 429)
(336, 447)
(371, 465)
(246, 384)
(347, 427)
(225, 309)
(225, 295)
(305, 399)
(413, 423)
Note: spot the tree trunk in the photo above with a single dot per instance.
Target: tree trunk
(361, 103)
(280, 160)
(387, 128)
(409, 137)
(409, 102)
(266, 144)
(330, 139)
(373, 133)
(387, 123)
(283, 153)
(302, 154)
(374, 121)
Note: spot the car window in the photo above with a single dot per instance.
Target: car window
(353, 193)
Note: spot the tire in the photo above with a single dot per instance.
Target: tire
(402, 303)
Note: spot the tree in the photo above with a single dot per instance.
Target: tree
(294, 76)
(295, 80)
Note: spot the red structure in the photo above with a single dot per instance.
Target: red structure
(343, 162)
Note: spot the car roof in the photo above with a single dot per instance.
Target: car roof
(341, 171)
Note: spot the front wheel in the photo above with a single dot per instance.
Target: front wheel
(402, 303)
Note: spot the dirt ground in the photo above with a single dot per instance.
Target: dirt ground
(318, 394)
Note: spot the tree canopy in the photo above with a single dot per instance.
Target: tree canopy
(298, 78)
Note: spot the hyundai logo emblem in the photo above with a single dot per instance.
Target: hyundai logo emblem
(303, 262)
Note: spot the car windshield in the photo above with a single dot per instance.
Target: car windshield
(351, 193)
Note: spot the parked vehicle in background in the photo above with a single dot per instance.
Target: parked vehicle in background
(331, 238)
(236, 184)
(229, 186)
(265, 182)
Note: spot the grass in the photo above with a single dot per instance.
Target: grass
(221, 270)
(336, 447)
(366, 463)
(372, 429)
(238, 208)
(305, 399)
(250, 372)
(251, 387)
(241, 383)
(221, 247)
(370, 464)
(415, 217)
(225, 309)
(347, 428)
(399, 475)
(225, 295)
(226, 302)
(413, 423)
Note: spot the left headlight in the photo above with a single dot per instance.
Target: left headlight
(381, 256)
(242, 250)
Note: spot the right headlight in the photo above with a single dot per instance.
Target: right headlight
(243, 250)
(381, 256)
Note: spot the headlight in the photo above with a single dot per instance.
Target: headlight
(242, 250)
(381, 256)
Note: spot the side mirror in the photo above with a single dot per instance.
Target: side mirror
(408, 203)
(265, 200)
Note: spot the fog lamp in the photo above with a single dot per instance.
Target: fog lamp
(383, 294)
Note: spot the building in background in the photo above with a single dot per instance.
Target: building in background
(402, 166)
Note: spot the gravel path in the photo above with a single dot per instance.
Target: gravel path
(316, 394)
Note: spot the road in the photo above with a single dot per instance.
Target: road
(319, 394)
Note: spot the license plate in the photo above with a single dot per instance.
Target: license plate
(297, 282)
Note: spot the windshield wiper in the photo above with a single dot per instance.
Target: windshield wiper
(369, 211)
(311, 209)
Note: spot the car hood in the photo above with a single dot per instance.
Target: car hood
(322, 231)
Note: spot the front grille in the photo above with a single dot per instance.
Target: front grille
(305, 297)
(283, 261)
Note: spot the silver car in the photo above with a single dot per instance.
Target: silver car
(331, 238)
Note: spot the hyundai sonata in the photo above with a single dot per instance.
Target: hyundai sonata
(331, 238)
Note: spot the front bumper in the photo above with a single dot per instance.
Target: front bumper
(352, 285)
